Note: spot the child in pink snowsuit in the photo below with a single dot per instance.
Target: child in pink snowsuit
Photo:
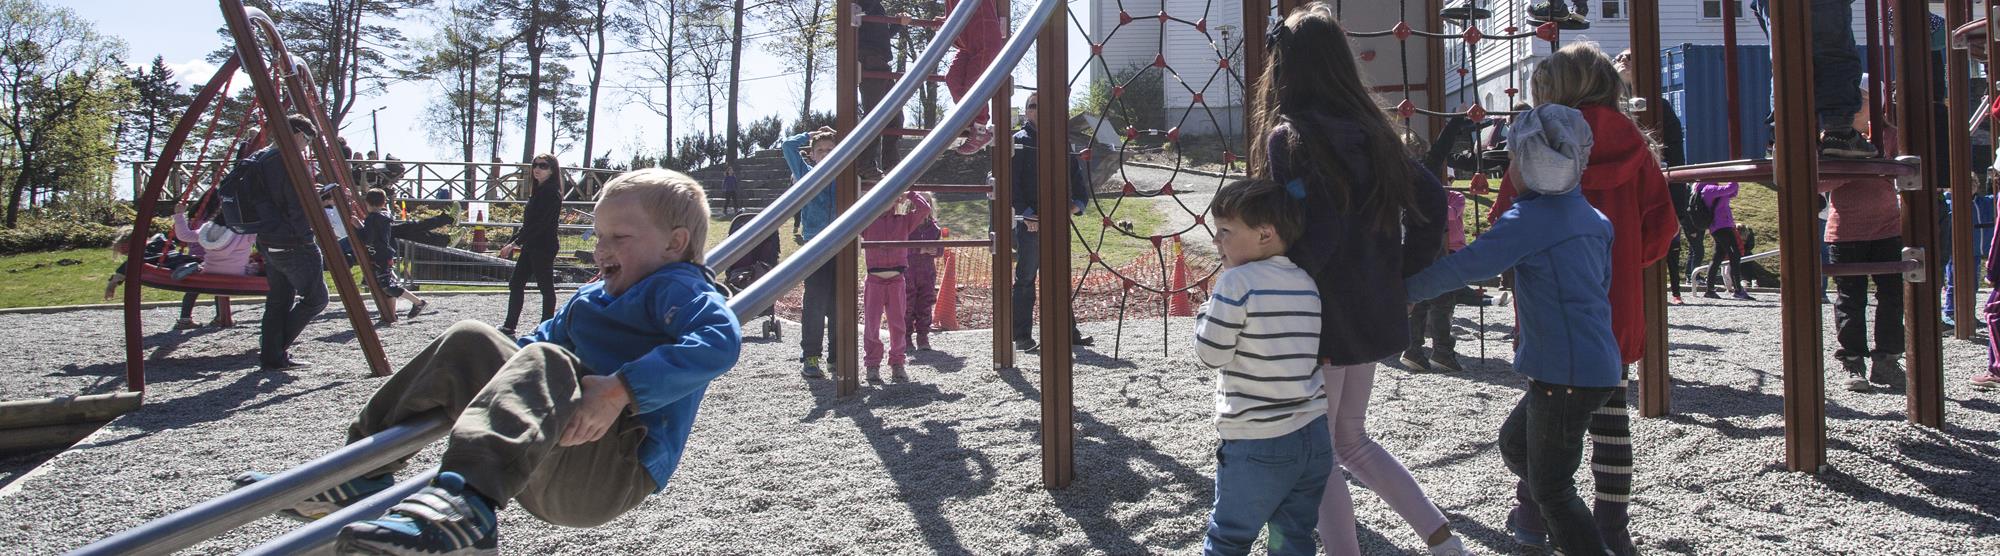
(977, 46)
(922, 292)
(883, 293)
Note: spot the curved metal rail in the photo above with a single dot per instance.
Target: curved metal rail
(766, 222)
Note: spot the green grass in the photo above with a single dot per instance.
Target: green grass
(41, 279)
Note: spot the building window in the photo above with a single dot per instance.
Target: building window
(1712, 9)
(1612, 9)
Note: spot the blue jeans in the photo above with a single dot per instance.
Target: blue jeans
(1836, 65)
(1542, 443)
(296, 276)
(1270, 480)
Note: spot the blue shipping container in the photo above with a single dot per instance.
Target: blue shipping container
(1694, 78)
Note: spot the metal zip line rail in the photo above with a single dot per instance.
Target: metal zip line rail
(753, 300)
(736, 245)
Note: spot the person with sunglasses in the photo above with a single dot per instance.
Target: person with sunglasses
(536, 242)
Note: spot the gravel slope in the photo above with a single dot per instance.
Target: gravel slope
(950, 463)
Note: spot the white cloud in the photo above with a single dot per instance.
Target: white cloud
(197, 72)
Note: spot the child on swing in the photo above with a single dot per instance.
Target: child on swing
(580, 420)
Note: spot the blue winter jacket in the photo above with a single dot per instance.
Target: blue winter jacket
(818, 211)
(666, 337)
(1560, 250)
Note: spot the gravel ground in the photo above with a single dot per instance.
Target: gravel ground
(950, 463)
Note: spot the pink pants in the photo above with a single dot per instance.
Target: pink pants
(883, 296)
(1347, 391)
(975, 53)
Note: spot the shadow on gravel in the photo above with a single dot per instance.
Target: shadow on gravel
(1115, 473)
(1948, 473)
(249, 391)
(941, 361)
(159, 370)
(928, 463)
(1711, 330)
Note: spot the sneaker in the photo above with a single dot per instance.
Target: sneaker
(1676, 300)
(897, 372)
(185, 324)
(1554, 11)
(444, 518)
(1986, 381)
(811, 369)
(219, 323)
(1887, 370)
(1742, 295)
(1451, 546)
(508, 330)
(325, 502)
(923, 343)
(417, 308)
(1082, 341)
(1857, 374)
(976, 138)
(183, 271)
(1413, 359)
(1527, 538)
(289, 364)
(874, 373)
(1710, 294)
(1446, 361)
(1027, 345)
(1846, 144)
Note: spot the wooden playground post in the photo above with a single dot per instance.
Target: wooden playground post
(1052, 152)
(1653, 372)
(1958, 85)
(302, 185)
(1796, 165)
(845, 333)
(1924, 331)
(1002, 226)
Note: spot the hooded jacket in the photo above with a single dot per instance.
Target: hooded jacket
(1560, 250)
(1359, 269)
(1624, 182)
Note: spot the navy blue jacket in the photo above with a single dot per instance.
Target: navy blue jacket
(1027, 191)
(293, 230)
(1358, 268)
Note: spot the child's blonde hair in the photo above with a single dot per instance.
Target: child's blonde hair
(1577, 75)
(673, 199)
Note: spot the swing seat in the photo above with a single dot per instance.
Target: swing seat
(1761, 170)
(155, 276)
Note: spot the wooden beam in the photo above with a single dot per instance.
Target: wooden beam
(1653, 373)
(1958, 92)
(1052, 165)
(1923, 329)
(1796, 168)
(1002, 222)
(846, 283)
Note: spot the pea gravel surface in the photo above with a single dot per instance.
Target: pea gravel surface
(950, 462)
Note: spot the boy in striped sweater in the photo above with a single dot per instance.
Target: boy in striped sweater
(1260, 327)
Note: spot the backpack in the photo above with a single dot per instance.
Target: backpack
(1700, 214)
(247, 206)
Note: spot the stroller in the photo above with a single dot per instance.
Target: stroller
(752, 267)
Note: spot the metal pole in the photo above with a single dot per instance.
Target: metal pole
(1925, 395)
(1653, 372)
(375, 128)
(1796, 165)
(197, 523)
(1052, 163)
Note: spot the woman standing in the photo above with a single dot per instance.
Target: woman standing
(1373, 218)
(536, 242)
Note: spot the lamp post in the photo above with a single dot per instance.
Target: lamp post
(375, 128)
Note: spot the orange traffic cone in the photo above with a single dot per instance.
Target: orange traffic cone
(944, 315)
(1178, 305)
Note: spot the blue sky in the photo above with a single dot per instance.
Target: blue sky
(182, 31)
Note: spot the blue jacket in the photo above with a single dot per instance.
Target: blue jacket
(818, 211)
(666, 338)
(1560, 250)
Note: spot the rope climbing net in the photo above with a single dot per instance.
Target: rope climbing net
(1182, 95)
